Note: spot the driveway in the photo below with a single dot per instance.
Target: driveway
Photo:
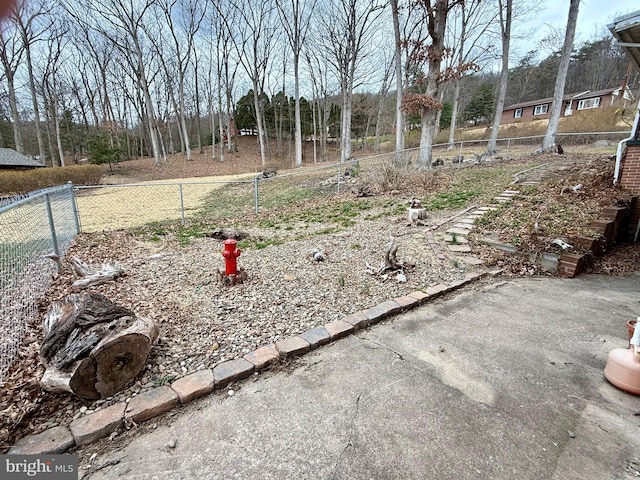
(502, 380)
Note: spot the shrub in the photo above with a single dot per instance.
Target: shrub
(24, 181)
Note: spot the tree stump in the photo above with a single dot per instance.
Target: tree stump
(93, 347)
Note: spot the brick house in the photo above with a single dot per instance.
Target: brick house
(626, 30)
(574, 102)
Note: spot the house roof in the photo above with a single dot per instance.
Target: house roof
(574, 96)
(626, 30)
(12, 159)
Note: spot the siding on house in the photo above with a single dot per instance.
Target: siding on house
(572, 103)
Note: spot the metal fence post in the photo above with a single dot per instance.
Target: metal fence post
(52, 227)
(460, 154)
(255, 192)
(339, 171)
(181, 203)
(74, 207)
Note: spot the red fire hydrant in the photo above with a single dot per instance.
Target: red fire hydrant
(230, 253)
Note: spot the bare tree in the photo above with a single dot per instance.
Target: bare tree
(472, 41)
(395, 12)
(33, 21)
(348, 24)
(11, 54)
(295, 18)
(122, 24)
(427, 104)
(190, 14)
(255, 40)
(505, 15)
(52, 89)
(558, 93)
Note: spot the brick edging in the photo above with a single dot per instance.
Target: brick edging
(94, 426)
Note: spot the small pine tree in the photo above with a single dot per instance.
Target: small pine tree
(101, 151)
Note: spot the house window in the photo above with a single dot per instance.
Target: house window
(589, 103)
(540, 109)
(517, 113)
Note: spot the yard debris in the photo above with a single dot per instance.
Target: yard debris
(575, 189)
(391, 265)
(226, 233)
(317, 255)
(416, 212)
(564, 245)
(86, 275)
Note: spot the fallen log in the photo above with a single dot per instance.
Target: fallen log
(85, 275)
(93, 348)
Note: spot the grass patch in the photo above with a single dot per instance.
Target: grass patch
(449, 200)
(259, 244)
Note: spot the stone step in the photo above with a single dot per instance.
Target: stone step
(459, 239)
(491, 241)
(470, 260)
(459, 231)
(467, 226)
(459, 248)
(468, 220)
(511, 192)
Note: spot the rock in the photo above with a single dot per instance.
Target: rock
(571, 434)
(171, 444)
(231, 393)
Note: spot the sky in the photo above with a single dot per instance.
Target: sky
(593, 15)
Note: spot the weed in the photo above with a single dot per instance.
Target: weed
(356, 246)
(164, 380)
(341, 281)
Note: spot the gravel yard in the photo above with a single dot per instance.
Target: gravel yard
(203, 322)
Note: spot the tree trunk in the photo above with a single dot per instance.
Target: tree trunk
(345, 133)
(17, 135)
(259, 117)
(454, 114)
(34, 98)
(558, 92)
(93, 347)
(505, 26)
(56, 121)
(398, 71)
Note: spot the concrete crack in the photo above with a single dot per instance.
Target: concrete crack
(350, 438)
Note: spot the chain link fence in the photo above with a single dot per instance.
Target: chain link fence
(112, 207)
(39, 224)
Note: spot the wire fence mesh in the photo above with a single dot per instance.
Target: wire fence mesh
(40, 224)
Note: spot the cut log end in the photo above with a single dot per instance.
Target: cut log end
(96, 360)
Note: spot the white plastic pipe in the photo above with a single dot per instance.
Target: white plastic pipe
(616, 172)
